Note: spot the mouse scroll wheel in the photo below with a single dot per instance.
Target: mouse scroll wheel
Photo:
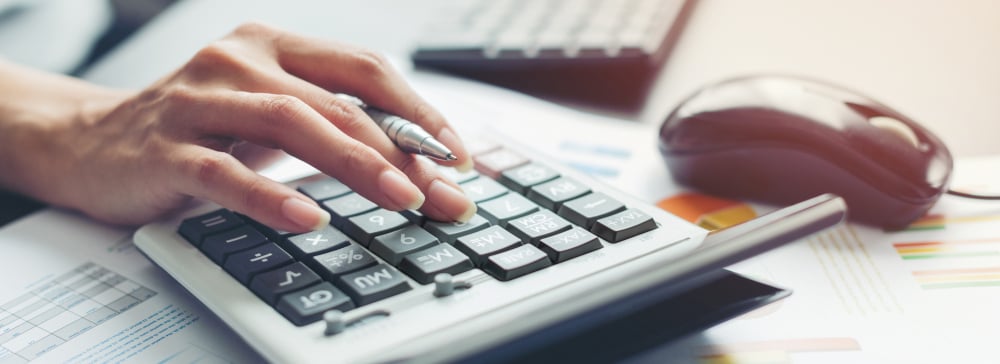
(897, 128)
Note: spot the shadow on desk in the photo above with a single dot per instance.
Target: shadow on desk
(14, 206)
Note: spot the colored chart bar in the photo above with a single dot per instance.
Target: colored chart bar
(709, 212)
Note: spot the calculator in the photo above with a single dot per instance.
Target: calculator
(551, 253)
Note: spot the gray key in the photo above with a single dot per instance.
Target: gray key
(449, 231)
(423, 265)
(343, 260)
(458, 177)
(532, 227)
(346, 206)
(394, 245)
(623, 225)
(482, 189)
(553, 193)
(324, 189)
(516, 262)
(569, 244)
(585, 210)
(272, 284)
(365, 226)
(244, 264)
(308, 305)
(504, 208)
(316, 242)
(521, 178)
(218, 246)
(374, 284)
(481, 244)
(195, 229)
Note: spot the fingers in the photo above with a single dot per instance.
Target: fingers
(220, 177)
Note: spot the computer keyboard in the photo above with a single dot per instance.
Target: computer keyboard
(614, 45)
(548, 244)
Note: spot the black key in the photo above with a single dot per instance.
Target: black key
(585, 210)
(243, 265)
(374, 284)
(272, 284)
(481, 244)
(553, 193)
(394, 245)
(414, 216)
(346, 206)
(367, 225)
(308, 305)
(482, 189)
(196, 228)
(569, 244)
(271, 233)
(623, 225)
(347, 259)
(316, 242)
(449, 231)
(538, 225)
(516, 262)
(218, 246)
(442, 258)
(504, 208)
(324, 189)
(521, 178)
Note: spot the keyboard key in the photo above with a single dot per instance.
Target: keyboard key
(374, 284)
(243, 265)
(442, 258)
(272, 284)
(521, 178)
(308, 305)
(414, 216)
(346, 206)
(271, 233)
(569, 244)
(459, 177)
(552, 194)
(316, 242)
(324, 189)
(481, 244)
(217, 246)
(195, 229)
(394, 245)
(535, 226)
(516, 262)
(585, 210)
(449, 231)
(482, 189)
(347, 259)
(364, 227)
(623, 225)
(504, 208)
(494, 162)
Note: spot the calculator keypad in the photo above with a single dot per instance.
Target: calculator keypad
(530, 217)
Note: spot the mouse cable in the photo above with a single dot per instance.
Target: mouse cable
(972, 195)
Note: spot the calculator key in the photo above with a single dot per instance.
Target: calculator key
(365, 226)
(569, 244)
(449, 231)
(393, 246)
(272, 284)
(374, 284)
(196, 228)
(504, 208)
(347, 259)
(516, 262)
(585, 210)
(271, 233)
(217, 246)
(458, 177)
(521, 178)
(316, 242)
(346, 206)
(623, 225)
(308, 305)
(553, 193)
(481, 244)
(442, 258)
(324, 189)
(535, 226)
(482, 189)
(415, 216)
(498, 160)
(244, 264)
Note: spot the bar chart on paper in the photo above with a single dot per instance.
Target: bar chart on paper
(59, 309)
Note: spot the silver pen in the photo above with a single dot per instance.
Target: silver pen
(408, 136)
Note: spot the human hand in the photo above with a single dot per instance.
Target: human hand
(129, 158)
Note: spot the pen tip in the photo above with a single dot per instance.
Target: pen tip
(451, 157)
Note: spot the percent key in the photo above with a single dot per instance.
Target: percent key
(347, 259)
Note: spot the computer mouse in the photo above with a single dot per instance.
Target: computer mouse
(782, 139)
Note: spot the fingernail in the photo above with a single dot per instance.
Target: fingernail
(305, 214)
(450, 139)
(451, 201)
(400, 190)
